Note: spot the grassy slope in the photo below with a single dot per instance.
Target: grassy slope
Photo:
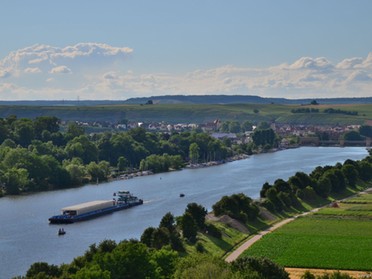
(195, 113)
(338, 238)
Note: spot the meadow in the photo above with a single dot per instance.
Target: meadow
(334, 238)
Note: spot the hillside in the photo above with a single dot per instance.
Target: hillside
(189, 99)
(197, 113)
(240, 99)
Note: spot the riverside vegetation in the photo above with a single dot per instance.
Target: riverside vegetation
(36, 155)
(193, 246)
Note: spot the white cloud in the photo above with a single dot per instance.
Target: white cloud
(100, 71)
(60, 70)
(35, 70)
(47, 57)
(349, 63)
(110, 75)
(4, 73)
(309, 63)
(359, 76)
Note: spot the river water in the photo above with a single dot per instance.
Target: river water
(27, 237)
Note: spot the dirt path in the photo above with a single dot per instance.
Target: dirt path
(296, 273)
(237, 252)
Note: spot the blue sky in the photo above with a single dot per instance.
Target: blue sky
(122, 49)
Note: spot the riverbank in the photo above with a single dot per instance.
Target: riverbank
(216, 163)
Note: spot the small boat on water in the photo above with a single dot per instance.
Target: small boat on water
(85, 211)
(182, 195)
(61, 231)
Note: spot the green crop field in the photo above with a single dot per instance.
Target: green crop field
(334, 238)
(196, 113)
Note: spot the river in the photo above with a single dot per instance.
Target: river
(27, 237)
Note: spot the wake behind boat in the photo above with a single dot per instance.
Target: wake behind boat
(88, 210)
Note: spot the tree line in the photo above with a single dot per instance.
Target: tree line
(39, 155)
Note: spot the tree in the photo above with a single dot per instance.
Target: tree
(165, 261)
(38, 268)
(74, 130)
(189, 227)
(247, 126)
(98, 172)
(366, 131)
(237, 206)
(160, 238)
(234, 127)
(263, 137)
(130, 259)
(200, 266)
(350, 173)
(15, 180)
(76, 170)
(300, 180)
(352, 136)
(23, 131)
(147, 236)
(122, 163)
(264, 189)
(198, 212)
(365, 170)
(168, 222)
(194, 153)
(272, 196)
(323, 186)
(45, 123)
(83, 148)
(92, 272)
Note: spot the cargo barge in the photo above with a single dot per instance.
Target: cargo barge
(88, 210)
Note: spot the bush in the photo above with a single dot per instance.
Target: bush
(263, 266)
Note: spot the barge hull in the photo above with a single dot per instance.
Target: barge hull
(65, 219)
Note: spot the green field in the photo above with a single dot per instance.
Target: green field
(195, 113)
(334, 238)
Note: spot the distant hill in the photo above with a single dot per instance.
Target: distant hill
(191, 99)
(62, 103)
(240, 99)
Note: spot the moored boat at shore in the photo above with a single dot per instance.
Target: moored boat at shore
(88, 210)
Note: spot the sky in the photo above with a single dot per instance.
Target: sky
(115, 50)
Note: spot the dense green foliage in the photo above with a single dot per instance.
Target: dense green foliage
(132, 259)
(340, 111)
(237, 206)
(264, 268)
(35, 155)
(305, 110)
(319, 184)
